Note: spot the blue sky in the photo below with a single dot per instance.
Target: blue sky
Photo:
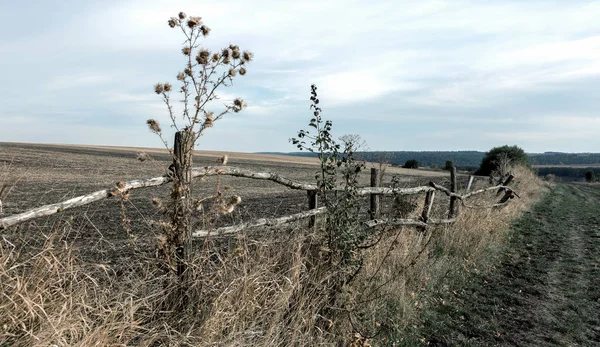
(405, 75)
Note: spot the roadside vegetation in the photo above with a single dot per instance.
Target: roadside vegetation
(339, 283)
(540, 289)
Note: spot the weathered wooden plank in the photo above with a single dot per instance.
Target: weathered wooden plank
(312, 204)
(82, 200)
(452, 210)
(260, 222)
(428, 206)
(374, 209)
(469, 183)
(408, 222)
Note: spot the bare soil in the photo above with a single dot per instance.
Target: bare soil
(42, 174)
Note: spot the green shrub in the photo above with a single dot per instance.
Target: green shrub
(411, 164)
(499, 158)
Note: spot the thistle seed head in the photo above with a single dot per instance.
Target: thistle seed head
(247, 56)
(194, 21)
(186, 50)
(226, 53)
(238, 105)
(180, 76)
(142, 156)
(173, 22)
(158, 88)
(242, 71)
(216, 57)
(181, 15)
(205, 30)
(208, 120)
(232, 72)
(235, 200)
(202, 57)
(167, 87)
(154, 126)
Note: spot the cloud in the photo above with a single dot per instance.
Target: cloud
(76, 81)
(434, 67)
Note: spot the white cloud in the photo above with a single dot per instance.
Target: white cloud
(401, 60)
(76, 81)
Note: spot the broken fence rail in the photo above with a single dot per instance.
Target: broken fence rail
(123, 187)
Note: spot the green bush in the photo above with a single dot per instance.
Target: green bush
(498, 158)
(411, 164)
(590, 176)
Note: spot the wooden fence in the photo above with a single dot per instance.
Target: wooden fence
(374, 191)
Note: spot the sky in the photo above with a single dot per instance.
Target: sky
(404, 75)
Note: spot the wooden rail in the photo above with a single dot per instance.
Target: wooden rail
(375, 191)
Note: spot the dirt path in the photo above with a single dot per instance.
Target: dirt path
(545, 292)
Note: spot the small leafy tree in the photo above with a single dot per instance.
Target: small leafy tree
(590, 176)
(501, 158)
(411, 164)
(203, 73)
(345, 233)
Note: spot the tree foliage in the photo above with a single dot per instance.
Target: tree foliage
(497, 157)
(411, 164)
(590, 176)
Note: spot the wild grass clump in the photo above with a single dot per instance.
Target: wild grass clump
(404, 268)
(257, 289)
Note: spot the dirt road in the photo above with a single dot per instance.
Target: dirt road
(545, 291)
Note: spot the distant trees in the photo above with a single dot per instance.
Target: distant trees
(498, 158)
(590, 176)
(411, 164)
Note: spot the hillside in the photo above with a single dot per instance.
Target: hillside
(465, 159)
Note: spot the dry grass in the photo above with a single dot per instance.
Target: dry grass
(265, 289)
(406, 264)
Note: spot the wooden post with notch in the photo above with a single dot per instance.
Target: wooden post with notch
(452, 213)
(375, 207)
(312, 204)
(505, 183)
(182, 178)
(429, 196)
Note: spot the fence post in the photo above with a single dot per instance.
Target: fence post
(182, 171)
(507, 196)
(452, 213)
(469, 183)
(429, 196)
(505, 183)
(312, 204)
(375, 208)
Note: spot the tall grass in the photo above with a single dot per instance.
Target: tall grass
(265, 288)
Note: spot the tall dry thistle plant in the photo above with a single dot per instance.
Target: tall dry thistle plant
(203, 73)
